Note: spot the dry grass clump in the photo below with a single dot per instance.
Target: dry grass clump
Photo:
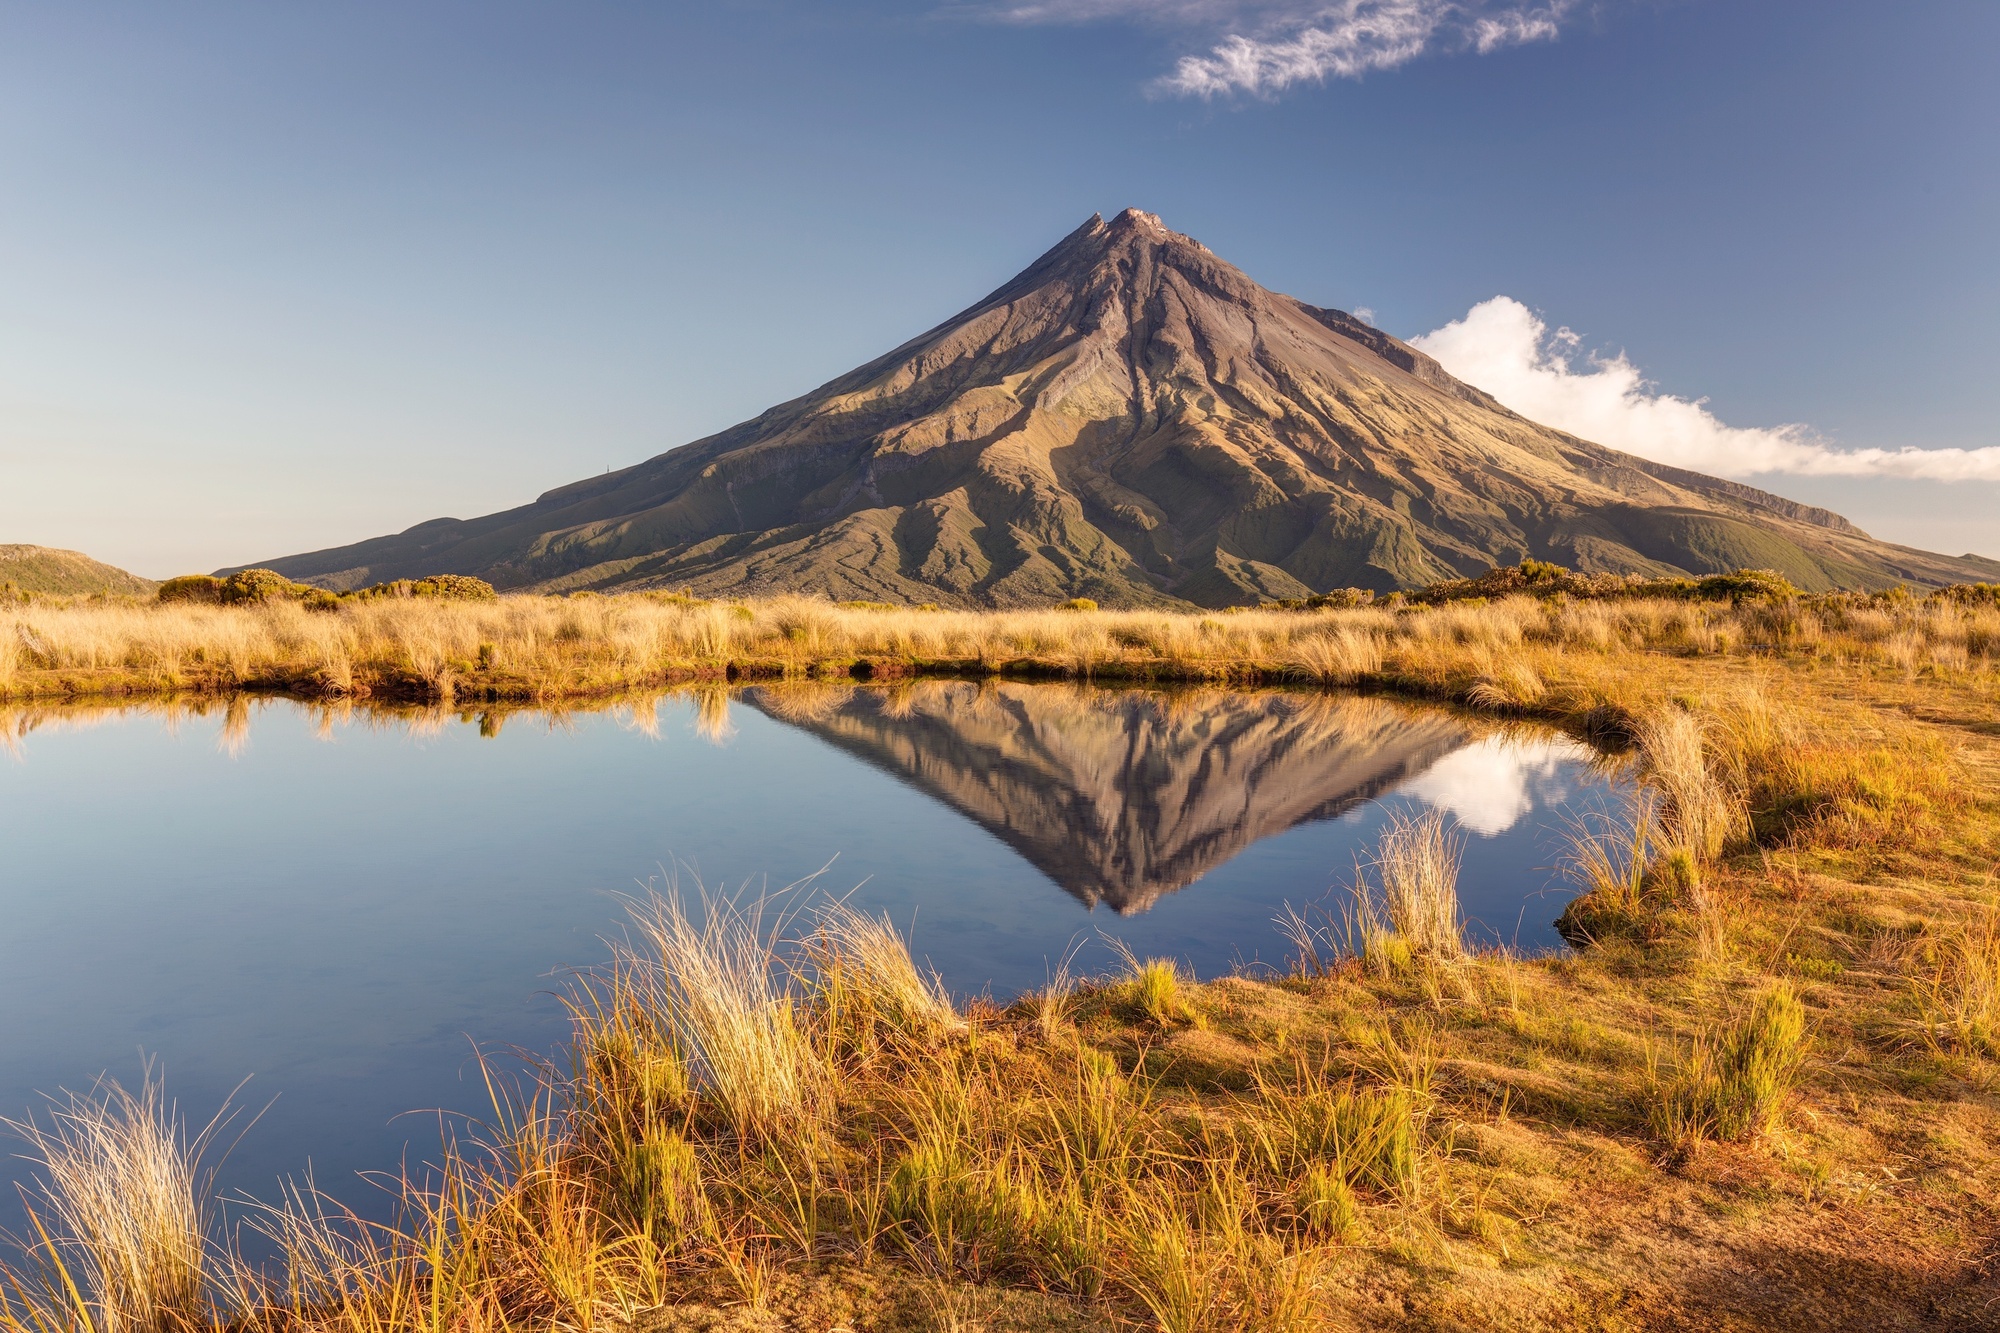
(1609, 858)
(1334, 1138)
(721, 985)
(1957, 989)
(1155, 987)
(1415, 909)
(121, 1218)
(1407, 922)
(1698, 813)
(1337, 656)
(867, 978)
(1731, 1082)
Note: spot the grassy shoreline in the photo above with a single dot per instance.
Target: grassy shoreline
(1484, 653)
(1765, 1094)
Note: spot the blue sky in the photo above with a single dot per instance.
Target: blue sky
(274, 277)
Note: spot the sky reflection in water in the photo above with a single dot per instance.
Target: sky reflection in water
(338, 902)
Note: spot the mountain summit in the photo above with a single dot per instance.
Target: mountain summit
(1132, 420)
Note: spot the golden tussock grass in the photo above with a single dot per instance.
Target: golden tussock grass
(1417, 862)
(1957, 988)
(1731, 1081)
(1517, 654)
(1781, 1011)
(122, 1219)
(749, 1093)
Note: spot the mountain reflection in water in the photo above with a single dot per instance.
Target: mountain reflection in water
(1123, 796)
(335, 896)
(1119, 796)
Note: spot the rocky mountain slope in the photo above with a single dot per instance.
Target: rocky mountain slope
(1136, 421)
(47, 569)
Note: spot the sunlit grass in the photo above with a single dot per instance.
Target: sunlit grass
(1798, 960)
(1731, 1081)
(1517, 654)
(121, 1217)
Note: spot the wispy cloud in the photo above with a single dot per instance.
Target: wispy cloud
(1271, 45)
(1503, 347)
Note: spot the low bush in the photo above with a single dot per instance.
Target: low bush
(192, 588)
(440, 587)
(454, 587)
(260, 585)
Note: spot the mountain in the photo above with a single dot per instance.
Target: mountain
(1120, 798)
(46, 569)
(1132, 420)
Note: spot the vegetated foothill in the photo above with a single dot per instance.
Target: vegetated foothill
(44, 569)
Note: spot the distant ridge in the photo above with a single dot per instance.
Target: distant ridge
(46, 569)
(1133, 420)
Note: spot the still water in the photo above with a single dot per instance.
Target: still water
(337, 904)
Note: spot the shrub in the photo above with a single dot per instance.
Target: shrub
(453, 587)
(1970, 594)
(247, 586)
(441, 587)
(1747, 585)
(192, 588)
(1077, 604)
(1541, 571)
(1337, 599)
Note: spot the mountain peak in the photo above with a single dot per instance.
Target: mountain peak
(1134, 219)
(1134, 420)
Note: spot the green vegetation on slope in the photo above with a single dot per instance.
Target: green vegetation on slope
(44, 569)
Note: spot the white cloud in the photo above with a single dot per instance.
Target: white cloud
(1487, 785)
(1350, 38)
(1503, 347)
(1089, 11)
(1273, 44)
